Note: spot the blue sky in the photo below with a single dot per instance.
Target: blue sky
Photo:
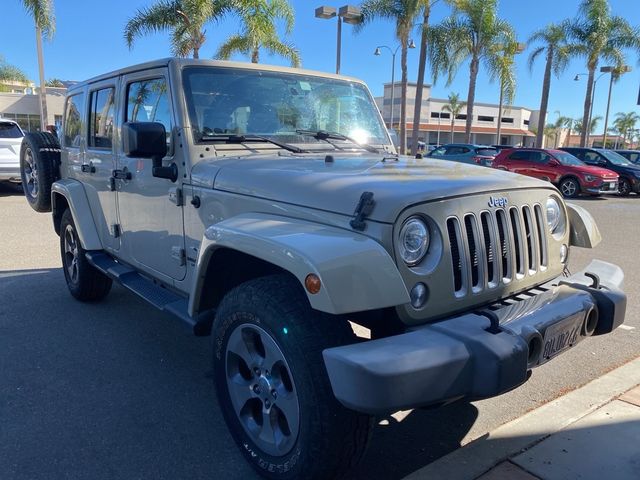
(89, 41)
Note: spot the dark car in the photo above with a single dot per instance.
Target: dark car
(465, 153)
(631, 155)
(570, 175)
(629, 172)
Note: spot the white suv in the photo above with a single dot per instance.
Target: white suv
(10, 140)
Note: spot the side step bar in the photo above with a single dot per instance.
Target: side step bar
(159, 297)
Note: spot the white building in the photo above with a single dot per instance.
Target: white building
(22, 104)
(435, 124)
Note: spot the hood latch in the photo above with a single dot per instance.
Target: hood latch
(363, 210)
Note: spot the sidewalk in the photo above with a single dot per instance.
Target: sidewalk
(590, 433)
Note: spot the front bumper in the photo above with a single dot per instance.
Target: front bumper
(464, 356)
(602, 188)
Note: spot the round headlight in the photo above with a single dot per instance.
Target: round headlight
(414, 241)
(555, 215)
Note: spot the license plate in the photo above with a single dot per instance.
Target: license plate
(560, 337)
(612, 185)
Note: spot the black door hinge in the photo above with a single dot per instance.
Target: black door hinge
(88, 168)
(363, 210)
(115, 230)
(176, 197)
(123, 174)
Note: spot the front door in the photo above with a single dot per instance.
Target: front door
(151, 216)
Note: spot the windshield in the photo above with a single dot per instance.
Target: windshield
(567, 159)
(9, 130)
(223, 101)
(615, 158)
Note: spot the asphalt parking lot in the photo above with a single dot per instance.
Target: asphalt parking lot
(118, 390)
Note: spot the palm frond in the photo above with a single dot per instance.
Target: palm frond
(159, 17)
(286, 50)
(43, 15)
(234, 44)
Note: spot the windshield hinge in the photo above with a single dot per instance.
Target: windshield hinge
(363, 210)
(176, 197)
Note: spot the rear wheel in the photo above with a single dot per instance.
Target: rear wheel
(624, 187)
(85, 282)
(570, 188)
(272, 385)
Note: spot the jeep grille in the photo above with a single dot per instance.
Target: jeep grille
(496, 247)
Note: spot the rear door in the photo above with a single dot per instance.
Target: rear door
(539, 166)
(98, 161)
(10, 141)
(150, 208)
(518, 161)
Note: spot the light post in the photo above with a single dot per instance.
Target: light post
(393, 73)
(348, 14)
(593, 97)
(615, 74)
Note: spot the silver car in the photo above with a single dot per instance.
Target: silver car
(466, 153)
(10, 140)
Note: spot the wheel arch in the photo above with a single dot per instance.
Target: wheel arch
(356, 272)
(70, 194)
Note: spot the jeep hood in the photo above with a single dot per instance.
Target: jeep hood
(310, 181)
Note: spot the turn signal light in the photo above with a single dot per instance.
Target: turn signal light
(312, 283)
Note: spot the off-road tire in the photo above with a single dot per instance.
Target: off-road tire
(569, 187)
(624, 187)
(39, 168)
(85, 282)
(331, 439)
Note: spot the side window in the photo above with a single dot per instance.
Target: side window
(520, 155)
(539, 157)
(454, 151)
(148, 101)
(591, 157)
(438, 151)
(73, 114)
(577, 154)
(102, 118)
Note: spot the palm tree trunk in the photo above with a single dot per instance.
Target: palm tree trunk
(499, 129)
(544, 101)
(453, 122)
(587, 107)
(471, 96)
(403, 106)
(255, 56)
(196, 52)
(417, 109)
(43, 86)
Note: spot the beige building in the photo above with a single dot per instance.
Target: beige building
(435, 123)
(21, 103)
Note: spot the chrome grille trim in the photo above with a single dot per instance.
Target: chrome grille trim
(493, 248)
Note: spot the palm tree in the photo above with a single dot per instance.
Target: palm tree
(625, 124)
(454, 107)
(597, 35)
(44, 19)
(593, 125)
(55, 82)
(10, 73)
(473, 32)
(405, 14)
(503, 69)
(185, 19)
(259, 31)
(422, 63)
(556, 128)
(554, 45)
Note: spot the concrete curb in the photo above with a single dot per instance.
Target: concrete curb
(486, 452)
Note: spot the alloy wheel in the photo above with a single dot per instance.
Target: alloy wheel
(261, 388)
(569, 188)
(31, 173)
(71, 253)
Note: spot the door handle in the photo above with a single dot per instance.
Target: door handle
(87, 168)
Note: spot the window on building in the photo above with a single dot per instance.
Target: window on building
(507, 120)
(102, 117)
(148, 101)
(73, 112)
(484, 118)
(57, 121)
(526, 122)
(440, 115)
(462, 116)
(435, 114)
(27, 122)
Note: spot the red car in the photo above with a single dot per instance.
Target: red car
(570, 175)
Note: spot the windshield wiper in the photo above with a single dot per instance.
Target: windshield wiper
(324, 135)
(231, 138)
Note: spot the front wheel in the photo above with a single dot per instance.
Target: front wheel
(272, 385)
(570, 188)
(624, 187)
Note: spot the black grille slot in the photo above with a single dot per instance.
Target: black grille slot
(469, 226)
(503, 234)
(528, 230)
(456, 258)
(542, 238)
(517, 240)
(489, 246)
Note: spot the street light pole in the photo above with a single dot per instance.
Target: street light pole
(393, 74)
(348, 14)
(593, 98)
(615, 73)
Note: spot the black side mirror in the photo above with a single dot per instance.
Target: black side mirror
(148, 140)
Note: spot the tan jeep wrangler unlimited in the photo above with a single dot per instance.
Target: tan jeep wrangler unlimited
(267, 206)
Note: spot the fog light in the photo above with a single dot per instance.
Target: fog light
(418, 295)
(564, 252)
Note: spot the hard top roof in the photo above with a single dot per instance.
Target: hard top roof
(187, 62)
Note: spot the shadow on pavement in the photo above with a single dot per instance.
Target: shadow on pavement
(119, 390)
(8, 189)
